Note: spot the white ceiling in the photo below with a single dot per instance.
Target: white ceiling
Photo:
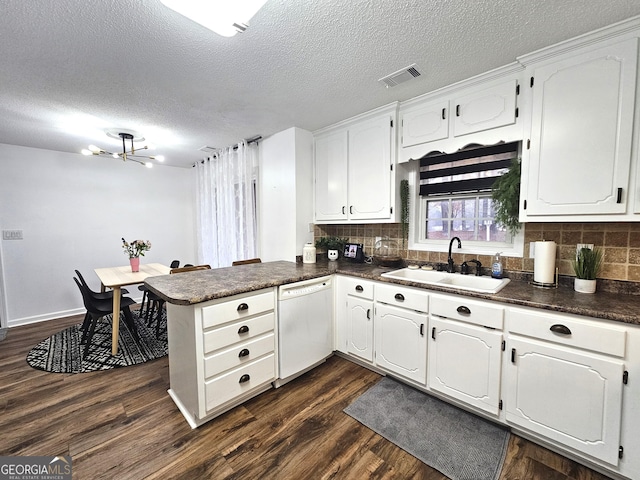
(71, 69)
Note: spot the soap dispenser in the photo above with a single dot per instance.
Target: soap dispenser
(496, 266)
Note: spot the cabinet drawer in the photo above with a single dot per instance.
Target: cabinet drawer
(568, 330)
(461, 308)
(239, 381)
(240, 306)
(238, 354)
(412, 298)
(237, 332)
(358, 288)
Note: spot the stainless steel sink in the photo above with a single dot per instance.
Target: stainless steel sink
(452, 280)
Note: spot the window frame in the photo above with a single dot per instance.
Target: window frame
(417, 227)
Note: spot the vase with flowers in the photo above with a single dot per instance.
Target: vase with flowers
(135, 250)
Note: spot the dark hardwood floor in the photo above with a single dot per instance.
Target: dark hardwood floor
(121, 424)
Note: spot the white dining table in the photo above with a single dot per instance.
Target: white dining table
(118, 277)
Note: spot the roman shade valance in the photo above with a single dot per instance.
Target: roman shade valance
(472, 169)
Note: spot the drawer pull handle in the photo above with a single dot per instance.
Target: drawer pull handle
(422, 329)
(243, 329)
(359, 288)
(244, 353)
(399, 297)
(242, 307)
(561, 329)
(462, 310)
(244, 378)
(433, 333)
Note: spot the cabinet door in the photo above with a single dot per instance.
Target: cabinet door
(370, 169)
(484, 109)
(401, 344)
(464, 363)
(360, 328)
(568, 395)
(426, 124)
(581, 132)
(331, 176)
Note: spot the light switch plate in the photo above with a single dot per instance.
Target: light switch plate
(12, 234)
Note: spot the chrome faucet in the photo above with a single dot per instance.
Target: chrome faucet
(451, 267)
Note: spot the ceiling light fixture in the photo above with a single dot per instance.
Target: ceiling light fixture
(225, 18)
(125, 155)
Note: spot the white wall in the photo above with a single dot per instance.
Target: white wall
(73, 211)
(286, 194)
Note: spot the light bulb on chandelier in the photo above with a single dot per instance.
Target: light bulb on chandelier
(125, 155)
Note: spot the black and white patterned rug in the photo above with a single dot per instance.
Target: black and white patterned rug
(63, 353)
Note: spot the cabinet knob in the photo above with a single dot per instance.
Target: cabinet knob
(242, 307)
(561, 329)
(359, 288)
(462, 310)
(244, 378)
(243, 353)
(399, 297)
(243, 329)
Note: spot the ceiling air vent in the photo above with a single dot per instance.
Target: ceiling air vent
(207, 149)
(401, 76)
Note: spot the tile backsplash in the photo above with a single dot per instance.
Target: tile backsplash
(620, 242)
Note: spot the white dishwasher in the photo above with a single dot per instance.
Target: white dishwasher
(305, 326)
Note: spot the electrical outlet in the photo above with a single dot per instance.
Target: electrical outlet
(532, 249)
(12, 234)
(580, 246)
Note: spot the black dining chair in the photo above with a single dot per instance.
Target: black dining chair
(145, 303)
(96, 309)
(99, 295)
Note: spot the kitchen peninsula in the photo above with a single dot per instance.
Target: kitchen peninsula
(561, 368)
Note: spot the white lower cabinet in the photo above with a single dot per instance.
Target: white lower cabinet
(465, 351)
(354, 317)
(360, 328)
(221, 353)
(564, 382)
(401, 345)
(464, 363)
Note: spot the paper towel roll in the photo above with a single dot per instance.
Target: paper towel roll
(544, 262)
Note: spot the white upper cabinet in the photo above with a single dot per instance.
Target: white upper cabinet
(354, 169)
(485, 108)
(481, 110)
(581, 132)
(330, 176)
(426, 123)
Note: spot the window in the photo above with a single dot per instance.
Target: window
(455, 200)
(468, 217)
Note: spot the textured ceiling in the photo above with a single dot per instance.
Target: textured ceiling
(71, 69)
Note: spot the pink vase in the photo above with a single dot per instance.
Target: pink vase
(135, 264)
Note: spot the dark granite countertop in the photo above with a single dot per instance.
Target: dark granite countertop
(201, 286)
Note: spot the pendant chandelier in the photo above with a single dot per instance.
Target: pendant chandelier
(126, 154)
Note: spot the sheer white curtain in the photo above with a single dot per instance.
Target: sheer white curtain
(226, 205)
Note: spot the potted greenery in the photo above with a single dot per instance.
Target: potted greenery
(586, 266)
(505, 194)
(333, 245)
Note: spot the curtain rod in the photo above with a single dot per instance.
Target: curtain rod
(248, 141)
